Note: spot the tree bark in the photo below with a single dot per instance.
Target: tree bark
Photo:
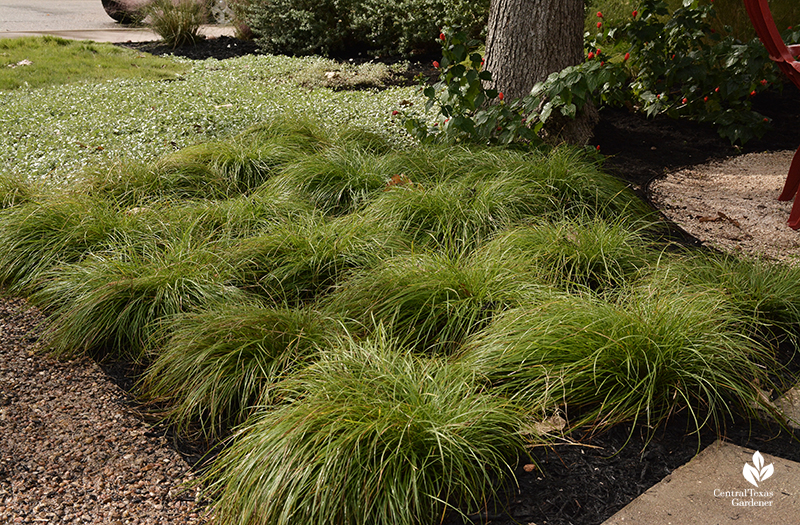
(529, 39)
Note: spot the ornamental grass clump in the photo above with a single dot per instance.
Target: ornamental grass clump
(177, 22)
(209, 170)
(295, 131)
(456, 198)
(48, 231)
(300, 260)
(459, 214)
(221, 169)
(577, 253)
(583, 189)
(110, 303)
(238, 217)
(648, 354)
(340, 179)
(214, 365)
(15, 190)
(432, 301)
(368, 434)
(765, 292)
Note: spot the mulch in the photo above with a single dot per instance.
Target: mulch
(585, 483)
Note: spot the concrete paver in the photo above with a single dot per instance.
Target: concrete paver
(712, 490)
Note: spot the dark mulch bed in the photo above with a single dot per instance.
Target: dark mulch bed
(584, 485)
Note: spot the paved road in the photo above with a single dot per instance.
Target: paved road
(77, 19)
(53, 15)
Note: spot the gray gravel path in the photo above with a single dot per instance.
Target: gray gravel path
(71, 449)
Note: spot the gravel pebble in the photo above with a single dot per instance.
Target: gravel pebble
(72, 450)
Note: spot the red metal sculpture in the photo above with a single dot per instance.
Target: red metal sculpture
(784, 56)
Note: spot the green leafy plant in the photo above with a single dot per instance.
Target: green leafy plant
(413, 32)
(674, 63)
(333, 26)
(462, 100)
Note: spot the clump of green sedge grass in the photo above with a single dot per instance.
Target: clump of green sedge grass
(760, 290)
(368, 434)
(647, 353)
(301, 260)
(432, 301)
(216, 364)
(50, 230)
(111, 303)
(578, 253)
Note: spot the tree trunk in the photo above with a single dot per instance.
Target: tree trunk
(529, 39)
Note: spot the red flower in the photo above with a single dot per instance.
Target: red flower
(766, 119)
(705, 99)
(590, 56)
(685, 100)
(635, 13)
(764, 82)
(599, 25)
(753, 93)
(599, 14)
(716, 89)
(395, 113)
(598, 147)
(599, 51)
(442, 37)
(602, 63)
(436, 64)
(500, 95)
(658, 96)
(627, 56)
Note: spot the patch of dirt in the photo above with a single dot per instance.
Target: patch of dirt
(732, 205)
